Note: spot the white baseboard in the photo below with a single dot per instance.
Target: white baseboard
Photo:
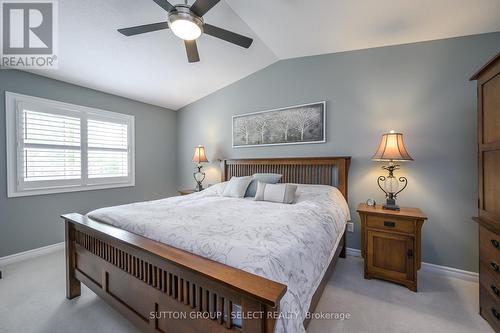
(451, 272)
(432, 268)
(31, 254)
(353, 252)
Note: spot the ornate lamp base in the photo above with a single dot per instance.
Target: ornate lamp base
(391, 204)
(390, 186)
(199, 177)
(199, 187)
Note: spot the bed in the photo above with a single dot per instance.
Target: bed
(201, 279)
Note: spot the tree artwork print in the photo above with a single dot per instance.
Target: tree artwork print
(290, 125)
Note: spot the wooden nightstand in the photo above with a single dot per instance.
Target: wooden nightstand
(390, 243)
(186, 192)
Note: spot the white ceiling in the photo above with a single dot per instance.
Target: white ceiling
(153, 67)
(297, 28)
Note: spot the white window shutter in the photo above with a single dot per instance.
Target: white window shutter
(108, 149)
(55, 147)
(50, 148)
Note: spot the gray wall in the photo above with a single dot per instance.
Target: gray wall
(421, 89)
(31, 222)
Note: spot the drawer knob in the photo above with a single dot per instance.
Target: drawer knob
(495, 290)
(494, 266)
(495, 243)
(409, 253)
(495, 313)
(389, 224)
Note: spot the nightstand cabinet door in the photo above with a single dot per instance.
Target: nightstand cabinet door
(390, 256)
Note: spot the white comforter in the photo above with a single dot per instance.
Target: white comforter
(291, 244)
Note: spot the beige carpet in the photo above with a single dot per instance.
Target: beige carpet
(32, 300)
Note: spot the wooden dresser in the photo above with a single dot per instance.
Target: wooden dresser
(488, 107)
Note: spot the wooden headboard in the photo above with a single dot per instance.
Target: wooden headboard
(302, 170)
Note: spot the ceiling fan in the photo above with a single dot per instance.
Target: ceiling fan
(187, 24)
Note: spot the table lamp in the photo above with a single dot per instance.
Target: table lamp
(391, 149)
(199, 158)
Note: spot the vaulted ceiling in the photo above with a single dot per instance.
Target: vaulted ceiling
(152, 67)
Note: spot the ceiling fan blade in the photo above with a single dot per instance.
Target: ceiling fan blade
(201, 7)
(228, 36)
(140, 29)
(164, 4)
(192, 50)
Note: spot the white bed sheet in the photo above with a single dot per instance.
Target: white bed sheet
(292, 244)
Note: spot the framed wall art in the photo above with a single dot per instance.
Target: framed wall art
(298, 124)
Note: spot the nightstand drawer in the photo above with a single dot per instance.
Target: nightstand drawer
(390, 223)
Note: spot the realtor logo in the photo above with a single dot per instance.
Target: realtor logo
(28, 34)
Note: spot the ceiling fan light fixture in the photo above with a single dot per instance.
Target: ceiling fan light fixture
(184, 24)
(186, 30)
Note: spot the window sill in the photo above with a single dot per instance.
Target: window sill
(54, 190)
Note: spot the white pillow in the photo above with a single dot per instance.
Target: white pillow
(236, 187)
(216, 189)
(283, 193)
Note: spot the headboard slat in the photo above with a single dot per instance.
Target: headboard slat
(331, 171)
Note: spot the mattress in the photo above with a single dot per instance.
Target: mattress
(291, 244)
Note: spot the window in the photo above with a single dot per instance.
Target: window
(57, 147)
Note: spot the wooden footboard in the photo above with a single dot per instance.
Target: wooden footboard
(163, 289)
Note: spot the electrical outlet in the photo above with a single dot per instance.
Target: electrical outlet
(350, 226)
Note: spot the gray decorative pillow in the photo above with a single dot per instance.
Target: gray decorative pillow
(236, 187)
(283, 193)
(269, 178)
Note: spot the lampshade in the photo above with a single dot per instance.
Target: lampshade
(199, 155)
(392, 148)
